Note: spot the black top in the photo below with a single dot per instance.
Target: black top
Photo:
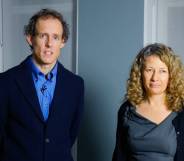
(122, 151)
(148, 140)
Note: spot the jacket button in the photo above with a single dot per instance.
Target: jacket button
(47, 140)
(177, 132)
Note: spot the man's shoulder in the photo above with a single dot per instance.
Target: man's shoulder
(68, 74)
(21, 65)
(11, 71)
(8, 76)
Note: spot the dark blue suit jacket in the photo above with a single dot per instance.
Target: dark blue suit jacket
(24, 136)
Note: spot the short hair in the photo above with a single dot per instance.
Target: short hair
(30, 28)
(175, 89)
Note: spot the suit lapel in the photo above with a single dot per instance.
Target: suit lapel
(25, 82)
(59, 92)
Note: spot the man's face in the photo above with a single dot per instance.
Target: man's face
(47, 41)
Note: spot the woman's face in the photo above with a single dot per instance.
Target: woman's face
(155, 76)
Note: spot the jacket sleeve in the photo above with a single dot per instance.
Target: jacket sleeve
(3, 111)
(78, 113)
(121, 152)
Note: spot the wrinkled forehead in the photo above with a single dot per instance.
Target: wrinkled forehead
(44, 17)
(48, 17)
(49, 23)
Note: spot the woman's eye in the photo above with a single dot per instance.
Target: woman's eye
(163, 71)
(148, 70)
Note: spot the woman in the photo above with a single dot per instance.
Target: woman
(151, 120)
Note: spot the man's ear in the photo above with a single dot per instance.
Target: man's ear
(29, 40)
(62, 43)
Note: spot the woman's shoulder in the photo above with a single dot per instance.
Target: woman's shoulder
(125, 106)
(180, 115)
(178, 120)
(125, 113)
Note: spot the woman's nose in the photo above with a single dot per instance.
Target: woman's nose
(154, 76)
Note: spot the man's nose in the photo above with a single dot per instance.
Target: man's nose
(49, 41)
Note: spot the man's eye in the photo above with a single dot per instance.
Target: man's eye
(42, 35)
(56, 37)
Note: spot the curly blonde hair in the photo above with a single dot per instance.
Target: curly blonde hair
(175, 89)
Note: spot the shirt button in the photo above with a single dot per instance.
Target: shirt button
(177, 132)
(47, 140)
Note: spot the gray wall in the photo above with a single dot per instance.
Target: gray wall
(110, 35)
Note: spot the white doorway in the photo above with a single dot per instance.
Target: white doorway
(164, 22)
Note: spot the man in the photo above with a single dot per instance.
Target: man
(40, 101)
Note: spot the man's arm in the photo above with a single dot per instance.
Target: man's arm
(3, 111)
(78, 114)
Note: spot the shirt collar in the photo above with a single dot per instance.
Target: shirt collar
(37, 72)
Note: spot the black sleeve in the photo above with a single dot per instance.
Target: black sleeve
(78, 114)
(121, 152)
